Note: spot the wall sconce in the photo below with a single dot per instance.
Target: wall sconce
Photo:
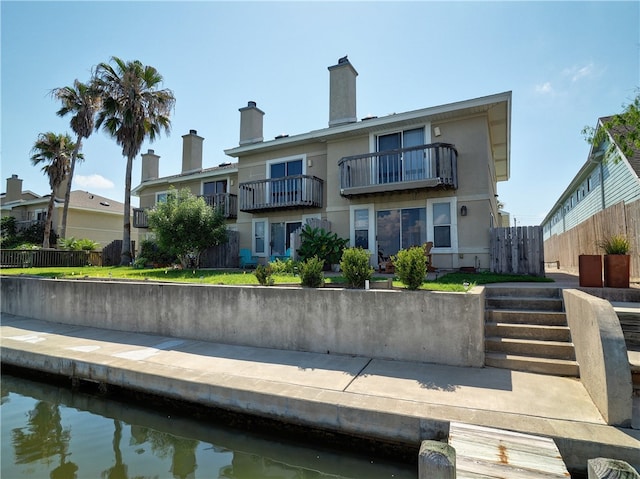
(463, 210)
(436, 131)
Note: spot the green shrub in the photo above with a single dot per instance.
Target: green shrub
(288, 266)
(615, 244)
(355, 266)
(86, 244)
(311, 274)
(323, 244)
(411, 266)
(264, 275)
(153, 253)
(140, 262)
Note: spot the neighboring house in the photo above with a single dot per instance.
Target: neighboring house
(605, 191)
(90, 216)
(218, 185)
(385, 183)
(605, 179)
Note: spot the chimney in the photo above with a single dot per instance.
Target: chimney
(150, 166)
(251, 119)
(14, 189)
(342, 93)
(191, 152)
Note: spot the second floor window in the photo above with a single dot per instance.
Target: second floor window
(211, 188)
(401, 167)
(288, 189)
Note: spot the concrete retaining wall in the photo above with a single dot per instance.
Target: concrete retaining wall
(443, 328)
(602, 355)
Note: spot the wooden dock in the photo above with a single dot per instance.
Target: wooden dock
(487, 453)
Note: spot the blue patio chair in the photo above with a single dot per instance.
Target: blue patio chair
(246, 260)
(281, 257)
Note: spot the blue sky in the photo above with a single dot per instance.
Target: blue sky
(567, 63)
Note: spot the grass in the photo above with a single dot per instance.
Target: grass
(452, 282)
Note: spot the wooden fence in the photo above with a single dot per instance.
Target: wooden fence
(222, 256)
(620, 218)
(42, 258)
(517, 250)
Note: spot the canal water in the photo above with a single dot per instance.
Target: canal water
(53, 432)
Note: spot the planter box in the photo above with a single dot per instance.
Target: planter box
(616, 270)
(590, 268)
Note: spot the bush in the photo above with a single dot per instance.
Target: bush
(72, 244)
(355, 266)
(284, 267)
(615, 244)
(311, 274)
(411, 266)
(153, 253)
(264, 275)
(323, 244)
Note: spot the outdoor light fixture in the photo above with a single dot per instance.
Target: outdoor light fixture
(463, 210)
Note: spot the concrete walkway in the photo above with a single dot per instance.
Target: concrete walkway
(394, 401)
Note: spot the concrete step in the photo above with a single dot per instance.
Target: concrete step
(549, 318)
(553, 367)
(528, 292)
(528, 331)
(531, 347)
(524, 303)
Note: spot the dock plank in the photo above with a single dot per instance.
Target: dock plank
(483, 452)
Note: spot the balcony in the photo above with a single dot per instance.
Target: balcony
(289, 192)
(227, 203)
(421, 167)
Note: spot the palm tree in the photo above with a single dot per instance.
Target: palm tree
(83, 102)
(54, 150)
(133, 108)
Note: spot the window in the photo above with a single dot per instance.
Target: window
(442, 225)
(161, 197)
(211, 188)
(287, 190)
(400, 229)
(407, 166)
(259, 237)
(361, 228)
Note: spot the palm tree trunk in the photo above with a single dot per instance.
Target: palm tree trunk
(126, 256)
(48, 221)
(67, 194)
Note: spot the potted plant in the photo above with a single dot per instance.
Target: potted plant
(616, 261)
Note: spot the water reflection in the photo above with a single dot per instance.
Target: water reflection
(62, 434)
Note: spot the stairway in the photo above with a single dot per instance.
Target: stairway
(526, 330)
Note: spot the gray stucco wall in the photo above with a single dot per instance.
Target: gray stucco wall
(443, 328)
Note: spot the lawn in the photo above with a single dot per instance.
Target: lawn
(448, 282)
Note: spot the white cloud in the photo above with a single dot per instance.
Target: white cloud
(95, 182)
(544, 88)
(577, 73)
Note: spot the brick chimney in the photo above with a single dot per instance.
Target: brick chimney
(251, 120)
(191, 152)
(14, 189)
(150, 166)
(342, 93)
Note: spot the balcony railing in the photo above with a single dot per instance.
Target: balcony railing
(227, 203)
(299, 191)
(427, 166)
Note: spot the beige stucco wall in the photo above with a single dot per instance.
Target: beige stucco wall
(476, 187)
(94, 225)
